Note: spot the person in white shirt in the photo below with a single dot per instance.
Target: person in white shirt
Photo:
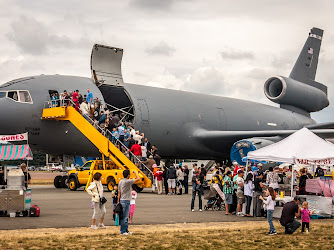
(240, 192)
(180, 178)
(248, 191)
(95, 190)
(84, 108)
(132, 205)
(270, 204)
(137, 137)
(143, 152)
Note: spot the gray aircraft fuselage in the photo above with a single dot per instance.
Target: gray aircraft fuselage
(169, 118)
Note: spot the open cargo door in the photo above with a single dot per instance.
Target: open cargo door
(105, 65)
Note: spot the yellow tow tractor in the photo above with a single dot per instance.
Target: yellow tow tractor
(111, 175)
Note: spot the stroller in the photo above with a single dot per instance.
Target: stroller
(215, 202)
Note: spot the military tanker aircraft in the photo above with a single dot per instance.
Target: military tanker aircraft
(182, 124)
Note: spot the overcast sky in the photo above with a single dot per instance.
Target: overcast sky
(227, 48)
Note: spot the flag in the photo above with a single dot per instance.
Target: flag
(310, 51)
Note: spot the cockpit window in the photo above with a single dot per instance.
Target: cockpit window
(13, 95)
(17, 95)
(24, 96)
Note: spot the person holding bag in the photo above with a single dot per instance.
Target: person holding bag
(95, 190)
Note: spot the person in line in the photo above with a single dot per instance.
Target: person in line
(147, 144)
(84, 110)
(240, 193)
(302, 181)
(159, 175)
(273, 178)
(228, 192)
(236, 168)
(289, 212)
(186, 179)
(132, 205)
(197, 181)
(270, 203)
(124, 197)
(248, 190)
(27, 177)
(216, 182)
(136, 150)
(171, 175)
(319, 172)
(143, 152)
(180, 178)
(75, 99)
(305, 215)
(95, 190)
(258, 189)
(89, 98)
(165, 177)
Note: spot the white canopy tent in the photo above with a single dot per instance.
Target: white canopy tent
(302, 148)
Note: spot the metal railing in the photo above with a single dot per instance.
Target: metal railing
(105, 132)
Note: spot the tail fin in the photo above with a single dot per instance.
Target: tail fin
(306, 65)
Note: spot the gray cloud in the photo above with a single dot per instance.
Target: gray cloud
(161, 48)
(160, 5)
(234, 54)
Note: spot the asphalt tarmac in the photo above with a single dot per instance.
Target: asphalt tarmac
(61, 208)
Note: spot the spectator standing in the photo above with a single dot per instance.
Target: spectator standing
(147, 144)
(132, 205)
(289, 212)
(96, 113)
(76, 100)
(258, 189)
(197, 180)
(248, 189)
(165, 177)
(159, 175)
(216, 181)
(157, 159)
(126, 138)
(143, 152)
(114, 196)
(186, 179)
(124, 197)
(136, 150)
(115, 121)
(149, 162)
(236, 168)
(27, 177)
(95, 190)
(171, 175)
(121, 132)
(180, 178)
(273, 178)
(137, 137)
(319, 172)
(228, 191)
(240, 193)
(270, 203)
(302, 182)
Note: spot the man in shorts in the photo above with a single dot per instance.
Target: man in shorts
(171, 175)
(240, 191)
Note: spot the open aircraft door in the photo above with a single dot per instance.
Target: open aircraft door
(105, 65)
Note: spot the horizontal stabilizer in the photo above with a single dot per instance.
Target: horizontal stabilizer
(326, 125)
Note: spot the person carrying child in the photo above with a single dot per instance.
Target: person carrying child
(114, 196)
(270, 204)
(132, 205)
(305, 214)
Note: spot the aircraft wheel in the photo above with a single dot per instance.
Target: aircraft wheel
(57, 181)
(111, 184)
(63, 182)
(137, 189)
(72, 184)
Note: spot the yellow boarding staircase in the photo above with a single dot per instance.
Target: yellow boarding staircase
(106, 147)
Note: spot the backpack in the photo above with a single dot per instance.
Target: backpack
(118, 210)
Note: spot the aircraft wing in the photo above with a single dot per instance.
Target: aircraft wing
(238, 135)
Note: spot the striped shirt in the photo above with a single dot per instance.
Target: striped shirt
(228, 185)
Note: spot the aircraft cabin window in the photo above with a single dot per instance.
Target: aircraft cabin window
(3, 94)
(13, 95)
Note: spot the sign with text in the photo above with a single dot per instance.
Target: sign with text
(18, 137)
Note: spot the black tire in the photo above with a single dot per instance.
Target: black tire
(72, 184)
(63, 182)
(25, 213)
(110, 185)
(137, 189)
(57, 181)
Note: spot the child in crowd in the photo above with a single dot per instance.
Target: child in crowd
(270, 204)
(132, 205)
(114, 196)
(305, 214)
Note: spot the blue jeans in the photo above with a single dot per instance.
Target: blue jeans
(124, 220)
(270, 220)
(199, 198)
(248, 203)
(291, 227)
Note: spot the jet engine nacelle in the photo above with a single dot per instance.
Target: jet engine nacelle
(241, 148)
(285, 91)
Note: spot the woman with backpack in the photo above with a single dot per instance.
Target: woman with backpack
(95, 190)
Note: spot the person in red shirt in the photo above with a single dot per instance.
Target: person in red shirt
(75, 98)
(236, 168)
(136, 150)
(158, 174)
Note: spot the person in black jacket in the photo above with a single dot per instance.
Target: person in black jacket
(164, 175)
(197, 181)
(171, 175)
(186, 179)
